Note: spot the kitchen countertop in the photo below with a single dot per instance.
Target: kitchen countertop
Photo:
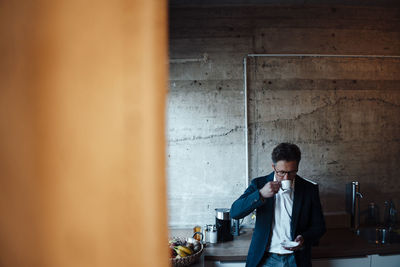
(336, 243)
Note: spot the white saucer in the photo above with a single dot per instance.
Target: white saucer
(289, 244)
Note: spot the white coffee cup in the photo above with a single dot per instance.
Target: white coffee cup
(286, 184)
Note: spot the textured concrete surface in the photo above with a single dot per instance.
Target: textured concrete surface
(344, 113)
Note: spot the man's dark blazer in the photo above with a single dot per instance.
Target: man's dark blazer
(307, 218)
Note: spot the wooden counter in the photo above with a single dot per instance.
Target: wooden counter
(336, 243)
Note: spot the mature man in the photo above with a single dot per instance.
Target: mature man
(294, 214)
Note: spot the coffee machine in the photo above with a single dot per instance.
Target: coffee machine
(223, 224)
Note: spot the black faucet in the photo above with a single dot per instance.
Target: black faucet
(355, 205)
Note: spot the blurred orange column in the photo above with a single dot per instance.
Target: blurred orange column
(82, 99)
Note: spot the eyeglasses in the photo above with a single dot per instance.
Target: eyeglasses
(283, 173)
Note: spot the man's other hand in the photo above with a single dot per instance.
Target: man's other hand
(298, 239)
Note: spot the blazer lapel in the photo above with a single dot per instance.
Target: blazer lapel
(297, 200)
(269, 205)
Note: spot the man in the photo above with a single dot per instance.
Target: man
(294, 214)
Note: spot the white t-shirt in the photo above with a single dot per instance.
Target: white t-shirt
(281, 222)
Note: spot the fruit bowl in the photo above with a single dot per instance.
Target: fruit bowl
(188, 260)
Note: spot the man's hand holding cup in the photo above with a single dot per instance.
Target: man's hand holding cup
(270, 189)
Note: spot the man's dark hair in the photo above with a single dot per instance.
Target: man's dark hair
(286, 152)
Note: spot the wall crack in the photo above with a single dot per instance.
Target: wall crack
(193, 138)
(337, 102)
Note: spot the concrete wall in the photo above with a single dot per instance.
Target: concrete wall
(344, 113)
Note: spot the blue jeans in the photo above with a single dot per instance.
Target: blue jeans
(275, 260)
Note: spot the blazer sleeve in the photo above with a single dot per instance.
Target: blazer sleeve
(246, 203)
(317, 225)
